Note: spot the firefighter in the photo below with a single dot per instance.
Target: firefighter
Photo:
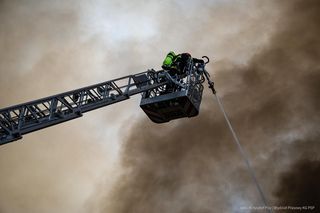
(176, 64)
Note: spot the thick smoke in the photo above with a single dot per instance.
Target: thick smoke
(269, 86)
(192, 165)
(44, 49)
(47, 47)
(300, 185)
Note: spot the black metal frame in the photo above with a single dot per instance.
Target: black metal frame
(181, 97)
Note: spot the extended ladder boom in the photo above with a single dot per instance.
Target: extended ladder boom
(28, 117)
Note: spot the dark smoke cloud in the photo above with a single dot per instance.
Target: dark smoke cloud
(44, 50)
(189, 165)
(47, 47)
(192, 165)
(300, 185)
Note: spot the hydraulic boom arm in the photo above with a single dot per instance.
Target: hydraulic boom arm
(24, 118)
(165, 97)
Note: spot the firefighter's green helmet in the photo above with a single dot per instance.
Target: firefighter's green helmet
(169, 59)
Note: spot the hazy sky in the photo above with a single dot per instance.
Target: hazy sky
(89, 164)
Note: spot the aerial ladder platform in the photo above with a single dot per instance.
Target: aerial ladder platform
(164, 97)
